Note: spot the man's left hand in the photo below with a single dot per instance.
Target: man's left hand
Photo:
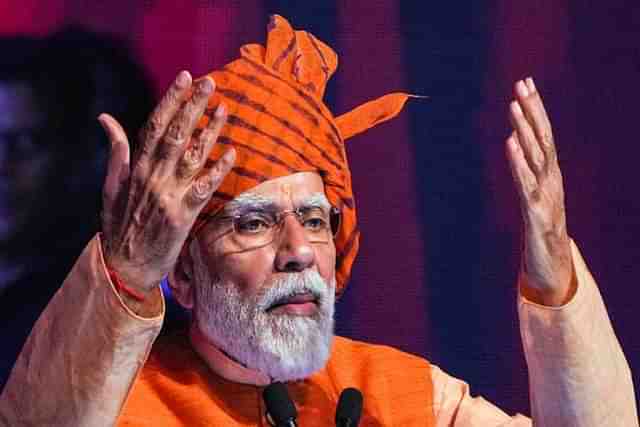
(547, 268)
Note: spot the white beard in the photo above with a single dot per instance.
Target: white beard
(285, 347)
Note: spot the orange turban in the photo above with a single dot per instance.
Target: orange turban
(279, 125)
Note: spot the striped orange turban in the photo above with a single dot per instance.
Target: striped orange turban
(279, 125)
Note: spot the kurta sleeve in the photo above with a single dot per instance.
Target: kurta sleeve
(82, 355)
(578, 375)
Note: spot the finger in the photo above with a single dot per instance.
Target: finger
(533, 107)
(526, 138)
(203, 187)
(523, 178)
(156, 125)
(119, 159)
(184, 122)
(196, 155)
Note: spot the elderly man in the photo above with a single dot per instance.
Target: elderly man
(257, 234)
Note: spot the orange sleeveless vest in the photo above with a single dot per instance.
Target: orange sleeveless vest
(176, 388)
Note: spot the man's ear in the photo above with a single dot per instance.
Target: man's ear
(181, 280)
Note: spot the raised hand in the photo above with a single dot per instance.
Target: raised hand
(546, 264)
(150, 206)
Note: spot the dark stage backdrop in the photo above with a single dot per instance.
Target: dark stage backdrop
(439, 217)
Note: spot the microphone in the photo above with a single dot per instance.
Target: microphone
(349, 408)
(280, 408)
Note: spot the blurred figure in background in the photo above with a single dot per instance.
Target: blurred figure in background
(52, 161)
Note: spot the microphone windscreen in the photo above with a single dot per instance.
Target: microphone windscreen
(279, 405)
(349, 407)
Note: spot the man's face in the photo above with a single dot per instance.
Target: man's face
(23, 162)
(267, 299)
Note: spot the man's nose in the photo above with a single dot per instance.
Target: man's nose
(294, 252)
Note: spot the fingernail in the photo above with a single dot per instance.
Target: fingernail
(229, 156)
(221, 111)
(182, 81)
(522, 89)
(515, 106)
(103, 119)
(531, 85)
(513, 143)
(206, 86)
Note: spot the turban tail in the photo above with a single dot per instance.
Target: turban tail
(279, 125)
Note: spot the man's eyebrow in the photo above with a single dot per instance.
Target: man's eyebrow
(316, 200)
(249, 202)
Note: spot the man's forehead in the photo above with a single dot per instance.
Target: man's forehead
(305, 188)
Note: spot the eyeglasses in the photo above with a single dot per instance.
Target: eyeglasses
(258, 228)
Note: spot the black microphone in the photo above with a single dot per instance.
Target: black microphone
(349, 408)
(280, 408)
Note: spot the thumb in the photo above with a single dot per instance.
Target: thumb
(119, 159)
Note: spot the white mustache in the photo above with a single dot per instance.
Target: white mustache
(306, 282)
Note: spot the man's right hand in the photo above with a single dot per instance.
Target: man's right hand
(150, 205)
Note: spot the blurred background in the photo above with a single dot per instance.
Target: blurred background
(439, 217)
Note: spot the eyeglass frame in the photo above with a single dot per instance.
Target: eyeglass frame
(282, 214)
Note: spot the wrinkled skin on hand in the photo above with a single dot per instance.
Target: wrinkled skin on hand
(547, 268)
(151, 204)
